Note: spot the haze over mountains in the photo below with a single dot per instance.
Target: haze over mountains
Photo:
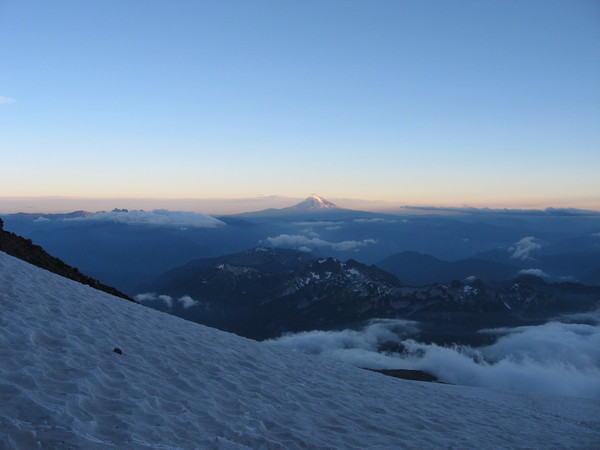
(128, 248)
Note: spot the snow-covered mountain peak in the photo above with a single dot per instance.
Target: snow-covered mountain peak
(314, 202)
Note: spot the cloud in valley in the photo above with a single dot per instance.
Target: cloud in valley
(186, 301)
(535, 272)
(557, 358)
(157, 217)
(523, 248)
(356, 347)
(378, 220)
(298, 241)
(316, 223)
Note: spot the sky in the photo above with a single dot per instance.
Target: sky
(433, 102)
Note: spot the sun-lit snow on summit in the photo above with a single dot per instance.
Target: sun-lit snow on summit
(313, 202)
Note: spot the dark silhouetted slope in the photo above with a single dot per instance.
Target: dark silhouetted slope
(24, 249)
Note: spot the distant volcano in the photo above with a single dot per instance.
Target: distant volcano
(311, 203)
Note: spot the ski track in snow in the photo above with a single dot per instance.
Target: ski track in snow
(182, 385)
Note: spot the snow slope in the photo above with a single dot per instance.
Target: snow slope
(178, 384)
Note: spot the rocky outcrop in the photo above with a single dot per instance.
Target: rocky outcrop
(24, 249)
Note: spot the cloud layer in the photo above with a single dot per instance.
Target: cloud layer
(186, 301)
(304, 243)
(535, 272)
(356, 347)
(379, 220)
(157, 217)
(558, 358)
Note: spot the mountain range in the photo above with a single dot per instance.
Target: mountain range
(127, 248)
(266, 292)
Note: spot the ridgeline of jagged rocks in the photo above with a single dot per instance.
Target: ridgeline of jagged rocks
(24, 249)
(265, 292)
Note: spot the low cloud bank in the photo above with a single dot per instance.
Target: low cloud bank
(300, 242)
(535, 272)
(552, 212)
(157, 217)
(555, 358)
(356, 347)
(379, 220)
(317, 223)
(186, 301)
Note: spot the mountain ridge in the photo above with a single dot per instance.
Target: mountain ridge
(324, 293)
(26, 250)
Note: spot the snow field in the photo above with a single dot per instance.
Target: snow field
(182, 385)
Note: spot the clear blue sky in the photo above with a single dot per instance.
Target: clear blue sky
(418, 102)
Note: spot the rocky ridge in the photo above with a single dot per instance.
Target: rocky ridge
(26, 250)
(248, 293)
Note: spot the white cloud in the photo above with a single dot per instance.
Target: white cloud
(535, 272)
(316, 223)
(310, 232)
(146, 296)
(333, 228)
(375, 220)
(298, 241)
(6, 100)
(522, 248)
(168, 300)
(358, 348)
(186, 301)
(157, 217)
(554, 358)
(152, 297)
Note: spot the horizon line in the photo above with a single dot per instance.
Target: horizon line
(50, 204)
